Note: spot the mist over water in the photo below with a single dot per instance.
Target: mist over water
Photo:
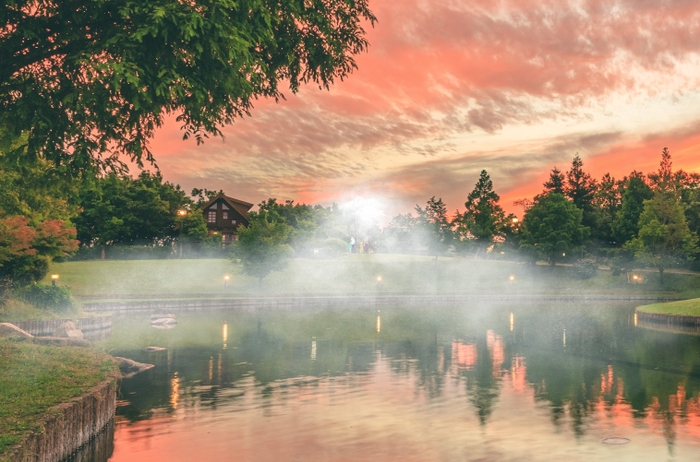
(469, 382)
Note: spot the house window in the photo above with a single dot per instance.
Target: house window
(233, 222)
(224, 215)
(211, 216)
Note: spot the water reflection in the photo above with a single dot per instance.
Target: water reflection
(433, 375)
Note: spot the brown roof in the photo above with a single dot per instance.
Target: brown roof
(240, 206)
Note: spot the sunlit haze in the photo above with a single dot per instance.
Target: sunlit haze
(450, 88)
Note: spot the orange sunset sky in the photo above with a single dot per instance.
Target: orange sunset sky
(449, 88)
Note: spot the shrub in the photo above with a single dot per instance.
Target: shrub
(333, 248)
(586, 268)
(52, 298)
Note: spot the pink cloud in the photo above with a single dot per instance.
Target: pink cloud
(437, 69)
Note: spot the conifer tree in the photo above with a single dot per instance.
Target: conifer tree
(483, 218)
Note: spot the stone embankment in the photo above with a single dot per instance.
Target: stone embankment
(670, 322)
(291, 302)
(69, 426)
(48, 327)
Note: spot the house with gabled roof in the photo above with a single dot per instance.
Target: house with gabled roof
(224, 214)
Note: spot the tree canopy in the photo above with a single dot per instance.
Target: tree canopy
(90, 81)
(263, 245)
(122, 210)
(552, 227)
(664, 238)
(483, 218)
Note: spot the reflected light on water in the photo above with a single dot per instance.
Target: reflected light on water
(174, 391)
(372, 398)
(635, 319)
(224, 334)
(379, 324)
(512, 321)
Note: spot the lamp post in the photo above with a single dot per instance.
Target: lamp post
(226, 279)
(181, 214)
(54, 279)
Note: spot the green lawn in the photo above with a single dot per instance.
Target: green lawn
(680, 308)
(34, 378)
(354, 274)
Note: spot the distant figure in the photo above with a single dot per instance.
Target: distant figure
(352, 244)
(362, 247)
(367, 247)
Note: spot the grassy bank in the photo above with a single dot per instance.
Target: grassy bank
(35, 378)
(353, 274)
(680, 308)
(12, 310)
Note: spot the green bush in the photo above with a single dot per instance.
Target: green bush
(52, 298)
(586, 268)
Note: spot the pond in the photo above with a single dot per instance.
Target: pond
(475, 382)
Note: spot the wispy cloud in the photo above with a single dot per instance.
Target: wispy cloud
(449, 88)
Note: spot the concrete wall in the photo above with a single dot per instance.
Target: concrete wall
(73, 425)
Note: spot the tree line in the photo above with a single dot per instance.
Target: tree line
(651, 219)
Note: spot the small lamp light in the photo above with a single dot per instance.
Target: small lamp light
(515, 220)
(182, 212)
(379, 279)
(511, 278)
(226, 279)
(54, 279)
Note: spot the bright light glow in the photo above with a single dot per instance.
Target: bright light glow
(512, 278)
(224, 334)
(512, 321)
(182, 213)
(54, 276)
(379, 324)
(635, 277)
(174, 391)
(365, 212)
(515, 220)
(227, 277)
(563, 255)
(379, 279)
(635, 319)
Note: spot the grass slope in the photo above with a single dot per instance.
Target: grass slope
(353, 274)
(35, 378)
(680, 308)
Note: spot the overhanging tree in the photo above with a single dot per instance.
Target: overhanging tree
(89, 81)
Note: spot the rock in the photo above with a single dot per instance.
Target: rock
(153, 348)
(8, 330)
(68, 330)
(157, 316)
(163, 323)
(129, 367)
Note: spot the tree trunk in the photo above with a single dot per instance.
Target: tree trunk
(103, 252)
